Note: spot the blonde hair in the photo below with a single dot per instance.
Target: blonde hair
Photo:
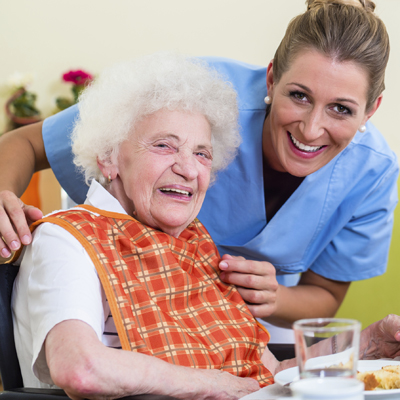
(125, 93)
(344, 30)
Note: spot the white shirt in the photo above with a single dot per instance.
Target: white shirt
(57, 281)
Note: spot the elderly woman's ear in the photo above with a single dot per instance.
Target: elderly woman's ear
(108, 168)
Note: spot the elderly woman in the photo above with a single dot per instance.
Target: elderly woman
(312, 190)
(133, 268)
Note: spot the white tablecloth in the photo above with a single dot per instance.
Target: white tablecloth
(274, 391)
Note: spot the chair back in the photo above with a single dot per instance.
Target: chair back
(9, 366)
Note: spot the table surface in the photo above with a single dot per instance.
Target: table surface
(274, 391)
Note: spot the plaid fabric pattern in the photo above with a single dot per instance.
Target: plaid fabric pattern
(166, 296)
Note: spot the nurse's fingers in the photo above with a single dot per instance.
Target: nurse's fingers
(240, 264)
(259, 275)
(261, 303)
(255, 281)
(15, 218)
(262, 310)
(250, 281)
(255, 297)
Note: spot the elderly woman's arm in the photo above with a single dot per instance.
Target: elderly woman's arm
(21, 154)
(85, 368)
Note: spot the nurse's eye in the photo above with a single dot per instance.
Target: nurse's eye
(340, 109)
(300, 96)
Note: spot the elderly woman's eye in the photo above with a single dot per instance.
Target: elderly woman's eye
(203, 154)
(164, 146)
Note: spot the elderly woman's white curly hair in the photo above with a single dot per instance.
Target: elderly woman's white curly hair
(125, 93)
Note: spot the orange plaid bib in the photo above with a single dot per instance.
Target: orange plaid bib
(165, 294)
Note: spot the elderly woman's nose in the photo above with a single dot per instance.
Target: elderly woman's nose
(186, 165)
(312, 125)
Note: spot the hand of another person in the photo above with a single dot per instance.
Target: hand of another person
(255, 281)
(15, 218)
(381, 339)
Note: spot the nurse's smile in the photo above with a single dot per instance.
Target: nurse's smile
(304, 150)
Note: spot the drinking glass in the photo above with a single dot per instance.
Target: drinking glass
(327, 347)
(327, 354)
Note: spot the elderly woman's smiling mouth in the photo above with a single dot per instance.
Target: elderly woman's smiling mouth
(178, 192)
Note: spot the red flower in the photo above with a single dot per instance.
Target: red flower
(77, 77)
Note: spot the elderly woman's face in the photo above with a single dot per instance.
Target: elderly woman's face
(317, 107)
(165, 169)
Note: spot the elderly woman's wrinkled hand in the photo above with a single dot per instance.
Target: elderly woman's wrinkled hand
(223, 385)
(15, 218)
(381, 339)
(255, 281)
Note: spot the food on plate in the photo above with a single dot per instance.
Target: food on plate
(387, 377)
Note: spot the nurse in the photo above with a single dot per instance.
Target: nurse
(312, 190)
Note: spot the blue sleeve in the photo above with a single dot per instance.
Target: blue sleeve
(56, 133)
(360, 249)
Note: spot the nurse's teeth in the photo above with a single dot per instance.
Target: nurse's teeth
(304, 147)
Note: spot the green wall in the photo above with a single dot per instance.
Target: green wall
(372, 299)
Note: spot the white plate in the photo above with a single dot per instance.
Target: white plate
(290, 374)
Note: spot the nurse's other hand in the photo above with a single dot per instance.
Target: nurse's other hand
(255, 281)
(381, 339)
(15, 218)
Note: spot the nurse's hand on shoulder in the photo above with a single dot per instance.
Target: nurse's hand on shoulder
(15, 218)
(255, 281)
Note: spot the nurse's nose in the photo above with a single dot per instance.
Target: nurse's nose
(312, 125)
(185, 165)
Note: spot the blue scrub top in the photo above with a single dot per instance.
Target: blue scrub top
(337, 223)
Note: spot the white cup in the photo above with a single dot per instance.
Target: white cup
(328, 389)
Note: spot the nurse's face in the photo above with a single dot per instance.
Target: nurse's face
(317, 107)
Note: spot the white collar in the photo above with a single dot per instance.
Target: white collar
(100, 198)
